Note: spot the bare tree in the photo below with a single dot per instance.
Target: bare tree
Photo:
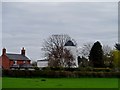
(106, 49)
(55, 51)
(34, 63)
(86, 49)
(68, 60)
(83, 62)
(107, 56)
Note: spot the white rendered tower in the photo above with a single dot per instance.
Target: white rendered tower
(73, 49)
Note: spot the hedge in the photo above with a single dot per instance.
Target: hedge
(57, 74)
(78, 69)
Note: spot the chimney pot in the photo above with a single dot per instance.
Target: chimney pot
(23, 51)
(4, 51)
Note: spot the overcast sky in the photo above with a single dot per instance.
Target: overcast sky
(28, 24)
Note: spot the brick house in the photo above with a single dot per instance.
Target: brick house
(13, 61)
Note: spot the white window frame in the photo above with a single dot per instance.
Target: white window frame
(15, 62)
(24, 61)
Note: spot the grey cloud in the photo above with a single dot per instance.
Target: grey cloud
(28, 24)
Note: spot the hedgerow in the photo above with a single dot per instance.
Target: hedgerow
(58, 74)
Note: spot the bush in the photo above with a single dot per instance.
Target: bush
(58, 74)
(60, 69)
(84, 69)
(36, 68)
(71, 69)
(102, 70)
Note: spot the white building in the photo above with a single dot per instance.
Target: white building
(42, 63)
(73, 49)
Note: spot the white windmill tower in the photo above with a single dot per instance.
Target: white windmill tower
(73, 49)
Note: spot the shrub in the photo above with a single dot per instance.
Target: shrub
(102, 69)
(58, 74)
(36, 68)
(71, 69)
(84, 69)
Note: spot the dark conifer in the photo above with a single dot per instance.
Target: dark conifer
(96, 55)
(117, 46)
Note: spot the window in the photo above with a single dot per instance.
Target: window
(15, 62)
(24, 61)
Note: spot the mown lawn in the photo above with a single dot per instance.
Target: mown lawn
(8, 82)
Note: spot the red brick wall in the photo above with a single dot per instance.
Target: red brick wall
(28, 62)
(5, 62)
(11, 62)
(19, 62)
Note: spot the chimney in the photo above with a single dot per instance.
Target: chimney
(23, 51)
(4, 51)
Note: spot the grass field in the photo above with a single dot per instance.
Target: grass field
(8, 82)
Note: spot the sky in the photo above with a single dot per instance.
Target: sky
(28, 24)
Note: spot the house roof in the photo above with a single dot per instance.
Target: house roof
(42, 60)
(69, 43)
(16, 56)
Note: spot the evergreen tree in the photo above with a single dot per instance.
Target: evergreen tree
(117, 46)
(96, 55)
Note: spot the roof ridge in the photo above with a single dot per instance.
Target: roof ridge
(13, 53)
(17, 56)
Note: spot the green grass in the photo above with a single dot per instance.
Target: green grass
(8, 82)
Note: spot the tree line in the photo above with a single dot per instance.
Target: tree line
(92, 54)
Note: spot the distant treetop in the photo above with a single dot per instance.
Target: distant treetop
(117, 46)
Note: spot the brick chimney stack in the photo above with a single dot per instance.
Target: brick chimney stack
(4, 51)
(23, 51)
